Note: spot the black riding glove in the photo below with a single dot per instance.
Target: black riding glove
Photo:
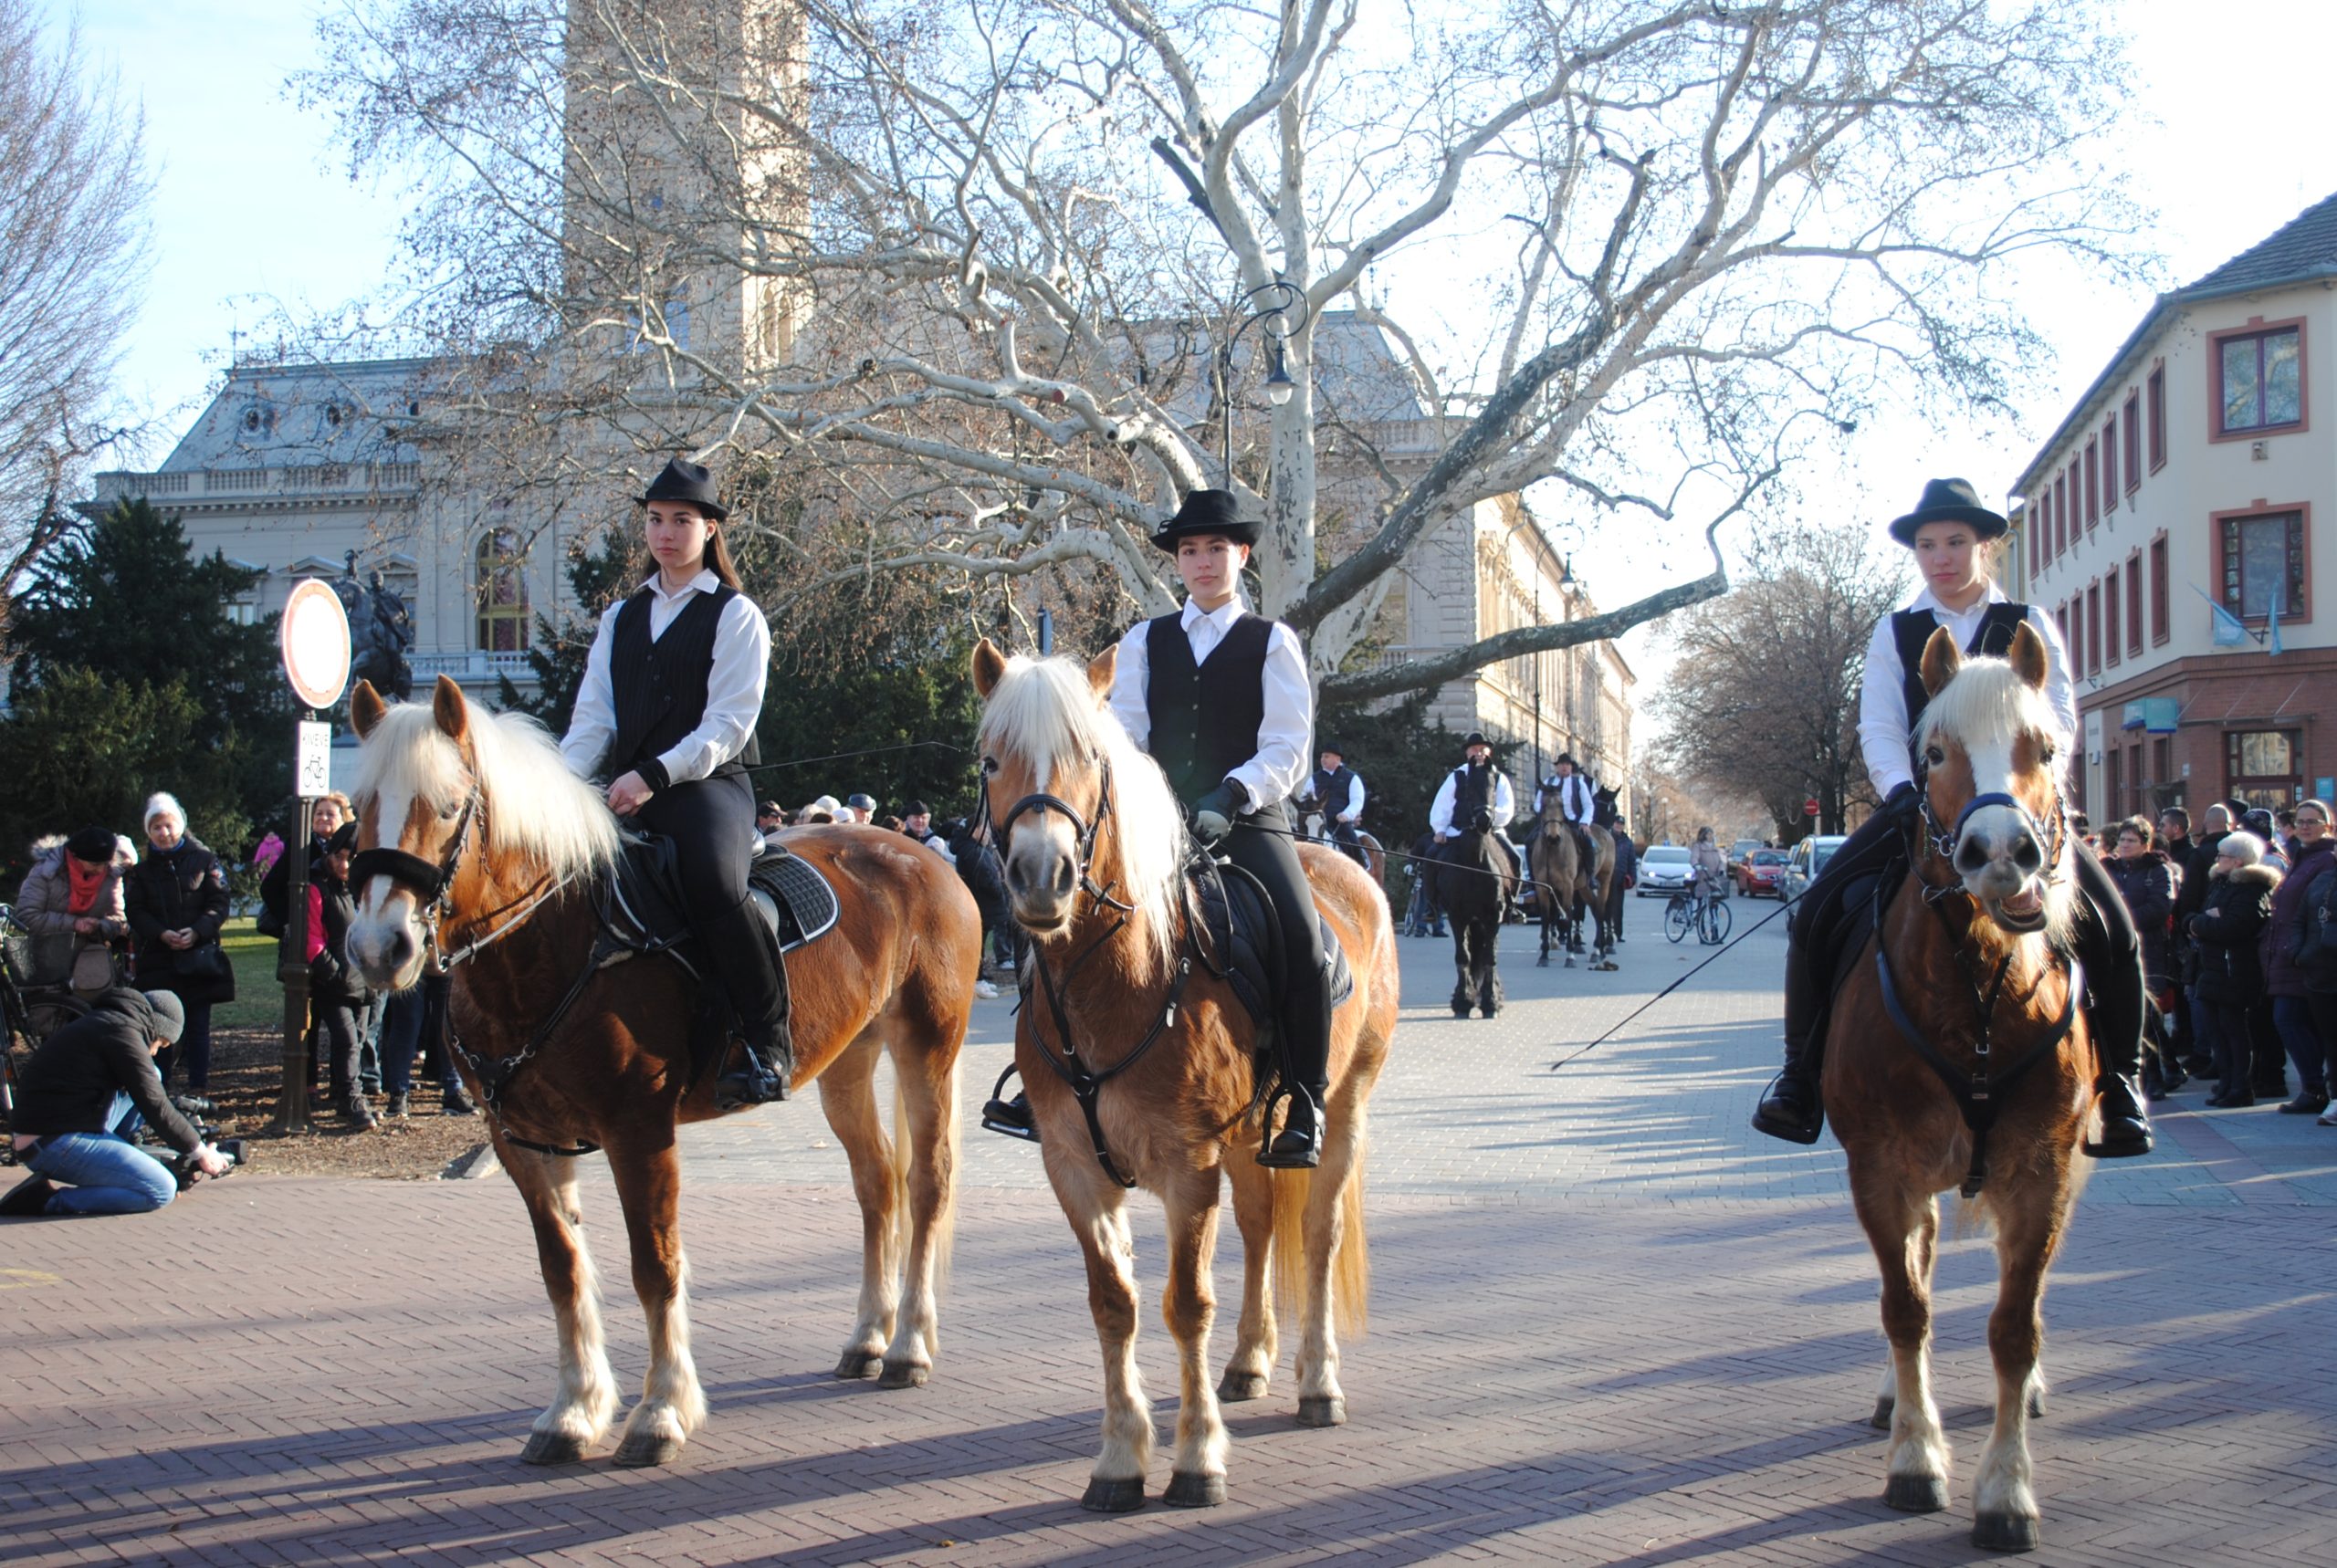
(1213, 814)
(1900, 803)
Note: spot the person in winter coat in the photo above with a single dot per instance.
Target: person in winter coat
(176, 901)
(325, 815)
(1627, 877)
(2283, 939)
(2317, 960)
(969, 850)
(337, 992)
(2227, 928)
(2148, 883)
(73, 896)
(2198, 868)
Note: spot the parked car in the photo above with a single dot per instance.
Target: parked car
(1808, 859)
(1742, 851)
(1663, 870)
(1760, 873)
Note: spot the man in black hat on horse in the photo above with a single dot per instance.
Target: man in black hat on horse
(1476, 798)
(1337, 792)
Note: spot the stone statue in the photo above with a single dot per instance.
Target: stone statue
(381, 629)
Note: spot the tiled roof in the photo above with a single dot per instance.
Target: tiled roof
(2306, 246)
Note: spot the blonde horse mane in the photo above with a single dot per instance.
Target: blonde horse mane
(1043, 711)
(536, 809)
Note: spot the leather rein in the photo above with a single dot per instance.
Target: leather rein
(1978, 1092)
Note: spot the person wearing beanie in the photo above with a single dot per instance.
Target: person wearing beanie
(176, 901)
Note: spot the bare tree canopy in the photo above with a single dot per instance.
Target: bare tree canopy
(73, 192)
(1764, 698)
(970, 268)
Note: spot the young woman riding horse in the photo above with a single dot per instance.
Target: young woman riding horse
(1954, 537)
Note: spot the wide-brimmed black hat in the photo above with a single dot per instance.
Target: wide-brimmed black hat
(690, 482)
(1474, 737)
(1567, 758)
(1205, 512)
(1949, 501)
(1332, 747)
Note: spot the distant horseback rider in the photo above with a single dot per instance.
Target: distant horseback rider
(668, 704)
(1476, 798)
(1954, 537)
(1575, 796)
(1337, 791)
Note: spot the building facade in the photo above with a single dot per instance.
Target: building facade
(2168, 526)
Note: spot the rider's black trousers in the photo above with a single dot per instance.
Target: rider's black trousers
(712, 824)
(1262, 845)
(2104, 939)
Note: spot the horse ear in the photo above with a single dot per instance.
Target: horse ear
(365, 709)
(1941, 659)
(989, 666)
(447, 706)
(2030, 661)
(1100, 669)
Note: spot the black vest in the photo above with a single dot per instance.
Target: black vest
(1472, 792)
(1334, 789)
(1554, 790)
(1204, 717)
(1911, 629)
(658, 685)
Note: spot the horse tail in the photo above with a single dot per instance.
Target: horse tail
(1350, 1271)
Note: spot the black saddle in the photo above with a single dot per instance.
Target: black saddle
(1243, 946)
(644, 910)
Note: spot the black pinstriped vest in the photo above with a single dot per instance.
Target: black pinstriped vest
(658, 684)
(1204, 717)
(1911, 629)
(1334, 789)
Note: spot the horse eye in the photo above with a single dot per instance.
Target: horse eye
(1934, 755)
(989, 765)
(449, 813)
(2047, 750)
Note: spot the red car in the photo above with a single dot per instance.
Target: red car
(1761, 872)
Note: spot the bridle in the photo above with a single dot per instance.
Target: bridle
(1086, 830)
(433, 887)
(1941, 842)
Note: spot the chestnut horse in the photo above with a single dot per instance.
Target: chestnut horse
(507, 849)
(1973, 974)
(1119, 995)
(1555, 861)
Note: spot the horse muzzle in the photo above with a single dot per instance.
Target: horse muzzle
(385, 943)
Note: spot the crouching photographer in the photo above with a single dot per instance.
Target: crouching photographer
(81, 1096)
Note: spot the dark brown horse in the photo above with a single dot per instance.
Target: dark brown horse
(1572, 889)
(486, 808)
(1473, 881)
(1976, 983)
(1095, 849)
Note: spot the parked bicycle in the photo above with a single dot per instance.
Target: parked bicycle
(1697, 909)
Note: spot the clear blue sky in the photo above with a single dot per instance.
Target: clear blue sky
(252, 212)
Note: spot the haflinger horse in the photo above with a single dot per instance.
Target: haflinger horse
(1472, 879)
(1570, 891)
(501, 852)
(1137, 1059)
(1958, 1056)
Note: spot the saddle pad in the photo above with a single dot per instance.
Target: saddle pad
(792, 897)
(1244, 938)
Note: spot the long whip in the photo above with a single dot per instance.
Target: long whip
(1783, 906)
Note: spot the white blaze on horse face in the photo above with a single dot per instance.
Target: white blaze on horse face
(1996, 849)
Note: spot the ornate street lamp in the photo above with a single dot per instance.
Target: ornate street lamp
(1275, 327)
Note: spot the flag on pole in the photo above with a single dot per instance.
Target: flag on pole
(2228, 632)
(2278, 595)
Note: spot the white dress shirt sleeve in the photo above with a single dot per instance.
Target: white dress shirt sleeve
(1284, 734)
(2058, 690)
(1129, 675)
(593, 725)
(1882, 714)
(1353, 814)
(734, 695)
(1504, 804)
(1439, 812)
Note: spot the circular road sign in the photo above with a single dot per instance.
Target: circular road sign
(1809, 808)
(316, 643)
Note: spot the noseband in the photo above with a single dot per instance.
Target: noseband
(1942, 841)
(432, 885)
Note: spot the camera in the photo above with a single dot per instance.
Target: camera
(183, 1167)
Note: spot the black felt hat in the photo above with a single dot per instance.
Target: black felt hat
(1333, 748)
(690, 482)
(1949, 501)
(1205, 512)
(1474, 737)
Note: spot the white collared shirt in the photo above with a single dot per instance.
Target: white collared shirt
(1882, 701)
(1574, 794)
(1279, 766)
(1353, 814)
(734, 686)
(1501, 805)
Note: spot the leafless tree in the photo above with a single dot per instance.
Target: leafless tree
(976, 265)
(1764, 699)
(73, 192)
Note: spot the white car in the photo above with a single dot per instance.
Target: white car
(1808, 858)
(1663, 870)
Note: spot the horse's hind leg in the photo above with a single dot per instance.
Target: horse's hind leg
(1489, 993)
(1190, 1304)
(673, 1405)
(848, 1100)
(2029, 1228)
(926, 1076)
(1098, 1216)
(1464, 986)
(579, 1414)
(1902, 1226)
(1333, 1205)
(1248, 1373)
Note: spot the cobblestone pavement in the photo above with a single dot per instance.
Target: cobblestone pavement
(1608, 1326)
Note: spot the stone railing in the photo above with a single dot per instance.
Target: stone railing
(470, 665)
(305, 479)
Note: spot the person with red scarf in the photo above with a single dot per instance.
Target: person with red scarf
(73, 895)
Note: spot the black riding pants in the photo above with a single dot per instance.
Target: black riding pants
(1260, 844)
(712, 824)
(2104, 939)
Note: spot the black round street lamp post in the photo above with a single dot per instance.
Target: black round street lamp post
(1275, 327)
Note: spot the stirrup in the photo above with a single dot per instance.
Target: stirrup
(999, 1113)
(1776, 1126)
(756, 1083)
(1305, 1159)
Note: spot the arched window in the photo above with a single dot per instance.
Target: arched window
(502, 592)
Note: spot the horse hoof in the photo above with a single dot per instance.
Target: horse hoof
(551, 1449)
(860, 1364)
(1543, 962)
(2004, 1532)
(643, 1449)
(1113, 1497)
(1323, 1410)
(1237, 1388)
(904, 1375)
(1459, 1012)
(1880, 1419)
(1193, 1491)
(1916, 1494)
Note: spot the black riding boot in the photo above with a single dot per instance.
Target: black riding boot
(767, 1070)
(2111, 954)
(1305, 1075)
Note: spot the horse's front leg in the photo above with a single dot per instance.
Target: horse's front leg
(649, 1184)
(2029, 1215)
(579, 1414)
(848, 1100)
(1488, 996)
(1189, 1305)
(1465, 981)
(1097, 1209)
(925, 1076)
(1336, 1257)
(1902, 1225)
(1251, 1367)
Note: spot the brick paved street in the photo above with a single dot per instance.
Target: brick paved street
(1610, 1325)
